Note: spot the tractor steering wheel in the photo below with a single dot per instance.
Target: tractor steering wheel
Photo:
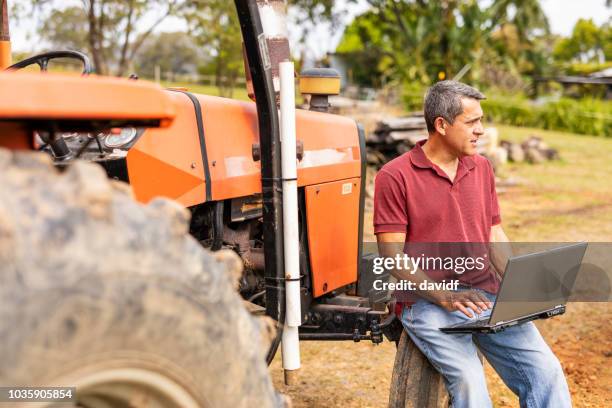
(43, 60)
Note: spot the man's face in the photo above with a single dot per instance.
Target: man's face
(463, 134)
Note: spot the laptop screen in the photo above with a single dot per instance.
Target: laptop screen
(537, 282)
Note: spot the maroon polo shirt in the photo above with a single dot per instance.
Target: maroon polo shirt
(416, 197)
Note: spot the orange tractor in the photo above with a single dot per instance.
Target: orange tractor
(221, 159)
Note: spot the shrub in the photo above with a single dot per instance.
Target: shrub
(412, 95)
(585, 69)
(584, 116)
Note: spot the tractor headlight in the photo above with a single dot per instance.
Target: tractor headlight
(125, 136)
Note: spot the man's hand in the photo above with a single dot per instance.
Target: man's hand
(390, 244)
(462, 301)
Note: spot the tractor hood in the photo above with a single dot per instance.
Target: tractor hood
(74, 102)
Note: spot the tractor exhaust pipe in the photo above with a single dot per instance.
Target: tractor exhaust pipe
(260, 69)
(5, 38)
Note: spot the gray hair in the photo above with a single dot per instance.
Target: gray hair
(444, 100)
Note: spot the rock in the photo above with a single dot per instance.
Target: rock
(502, 155)
(534, 141)
(551, 154)
(497, 157)
(515, 153)
(534, 156)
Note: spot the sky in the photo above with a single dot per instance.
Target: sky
(562, 15)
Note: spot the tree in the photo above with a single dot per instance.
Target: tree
(174, 52)
(306, 16)
(526, 15)
(66, 28)
(214, 26)
(367, 63)
(588, 43)
(423, 41)
(113, 30)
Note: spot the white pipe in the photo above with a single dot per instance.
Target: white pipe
(293, 313)
(290, 348)
(290, 205)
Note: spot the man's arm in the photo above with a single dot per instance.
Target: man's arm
(500, 250)
(391, 244)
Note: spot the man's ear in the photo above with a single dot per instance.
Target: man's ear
(440, 125)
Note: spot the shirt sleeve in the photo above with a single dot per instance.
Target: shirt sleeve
(390, 204)
(495, 211)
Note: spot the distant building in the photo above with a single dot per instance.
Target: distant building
(596, 79)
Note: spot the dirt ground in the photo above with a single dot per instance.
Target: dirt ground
(559, 201)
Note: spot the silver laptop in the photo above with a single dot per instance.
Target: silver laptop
(534, 286)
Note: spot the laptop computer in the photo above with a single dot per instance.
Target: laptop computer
(534, 286)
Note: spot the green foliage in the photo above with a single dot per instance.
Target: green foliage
(172, 52)
(238, 93)
(367, 63)
(584, 116)
(111, 31)
(581, 69)
(587, 44)
(317, 10)
(215, 27)
(526, 15)
(66, 28)
(425, 41)
(413, 94)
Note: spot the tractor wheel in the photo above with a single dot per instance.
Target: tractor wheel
(415, 383)
(116, 299)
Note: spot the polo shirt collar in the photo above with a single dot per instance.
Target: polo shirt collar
(419, 159)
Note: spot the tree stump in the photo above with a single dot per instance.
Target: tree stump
(415, 383)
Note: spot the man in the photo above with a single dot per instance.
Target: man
(443, 191)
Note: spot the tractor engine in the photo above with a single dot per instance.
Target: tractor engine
(208, 159)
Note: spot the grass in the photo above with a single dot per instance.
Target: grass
(238, 93)
(565, 200)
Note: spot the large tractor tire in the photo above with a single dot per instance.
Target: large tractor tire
(116, 299)
(415, 383)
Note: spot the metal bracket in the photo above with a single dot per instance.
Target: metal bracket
(342, 322)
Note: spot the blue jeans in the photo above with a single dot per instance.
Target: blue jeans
(519, 355)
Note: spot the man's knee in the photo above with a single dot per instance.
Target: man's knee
(548, 386)
(467, 386)
(467, 378)
(550, 372)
